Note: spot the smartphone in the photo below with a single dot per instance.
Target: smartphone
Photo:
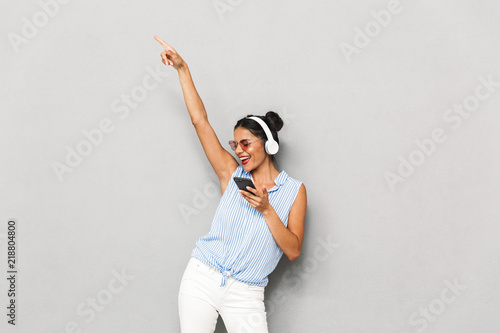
(243, 183)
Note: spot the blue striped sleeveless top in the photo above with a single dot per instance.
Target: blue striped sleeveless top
(239, 243)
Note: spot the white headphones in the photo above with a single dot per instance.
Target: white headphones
(271, 145)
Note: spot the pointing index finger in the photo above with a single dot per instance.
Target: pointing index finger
(163, 43)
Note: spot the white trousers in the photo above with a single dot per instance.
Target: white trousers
(202, 299)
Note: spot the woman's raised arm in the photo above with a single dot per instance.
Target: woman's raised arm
(221, 160)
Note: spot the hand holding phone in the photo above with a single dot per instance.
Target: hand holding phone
(243, 183)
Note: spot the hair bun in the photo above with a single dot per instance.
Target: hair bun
(274, 120)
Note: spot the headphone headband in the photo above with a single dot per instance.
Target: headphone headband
(271, 145)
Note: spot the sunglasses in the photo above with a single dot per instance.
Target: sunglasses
(243, 144)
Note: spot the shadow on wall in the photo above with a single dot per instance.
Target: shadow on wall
(220, 328)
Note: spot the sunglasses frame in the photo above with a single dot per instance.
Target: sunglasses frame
(236, 143)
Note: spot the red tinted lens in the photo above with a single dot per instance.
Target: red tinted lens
(233, 144)
(244, 144)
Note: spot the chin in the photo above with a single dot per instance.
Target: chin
(247, 168)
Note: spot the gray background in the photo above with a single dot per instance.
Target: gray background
(394, 251)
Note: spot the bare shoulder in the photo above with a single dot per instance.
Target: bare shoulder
(297, 215)
(298, 210)
(301, 198)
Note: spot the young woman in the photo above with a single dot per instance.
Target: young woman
(229, 266)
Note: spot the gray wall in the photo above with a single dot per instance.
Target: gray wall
(390, 122)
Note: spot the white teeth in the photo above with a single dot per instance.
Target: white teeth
(245, 158)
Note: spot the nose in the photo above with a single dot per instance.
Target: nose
(238, 149)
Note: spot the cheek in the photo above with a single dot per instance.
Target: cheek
(260, 154)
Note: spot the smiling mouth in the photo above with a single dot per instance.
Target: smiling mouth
(245, 160)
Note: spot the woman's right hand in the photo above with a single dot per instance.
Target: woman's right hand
(170, 56)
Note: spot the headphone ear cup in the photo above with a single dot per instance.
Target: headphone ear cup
(271, 147)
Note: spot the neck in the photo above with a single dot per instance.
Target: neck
(266, 172)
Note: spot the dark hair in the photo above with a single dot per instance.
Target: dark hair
(272, 120)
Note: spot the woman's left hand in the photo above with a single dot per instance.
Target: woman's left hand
(259, 201)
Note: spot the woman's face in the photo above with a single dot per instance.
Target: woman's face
(252, 156)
